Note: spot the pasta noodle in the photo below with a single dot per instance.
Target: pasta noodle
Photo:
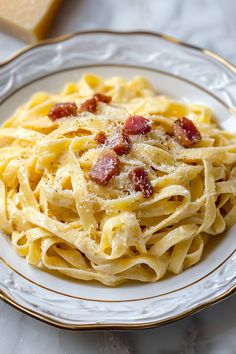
(59, 218)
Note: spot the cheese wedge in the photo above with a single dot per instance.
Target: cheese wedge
(28, 20)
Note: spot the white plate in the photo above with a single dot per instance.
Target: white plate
(174, 69)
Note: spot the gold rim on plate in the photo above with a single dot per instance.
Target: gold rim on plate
(117, 326)
(7, 299)
(115, 301)
(168, 38)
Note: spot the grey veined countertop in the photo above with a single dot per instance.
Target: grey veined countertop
(206, 23)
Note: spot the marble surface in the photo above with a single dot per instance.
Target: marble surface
(206, 23)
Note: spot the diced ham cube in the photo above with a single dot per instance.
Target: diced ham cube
(120, 142)
(64, 109)
(137, 125)
(100, 138)
(100, 97)
(140, 181)
(186, 133)
(89, 105)
(107, 166)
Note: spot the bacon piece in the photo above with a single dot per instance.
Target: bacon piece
(140, 181)
(64, 109)
(100, 138)
(137, 125)
(89, 105)
(100, 97)
(186, 133)
(107, 165)
(120, 142)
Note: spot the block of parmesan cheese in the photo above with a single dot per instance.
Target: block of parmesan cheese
(28, 20)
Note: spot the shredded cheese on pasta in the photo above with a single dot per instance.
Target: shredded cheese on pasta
(59, 219)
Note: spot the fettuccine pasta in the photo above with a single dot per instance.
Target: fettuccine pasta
(74, 200)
